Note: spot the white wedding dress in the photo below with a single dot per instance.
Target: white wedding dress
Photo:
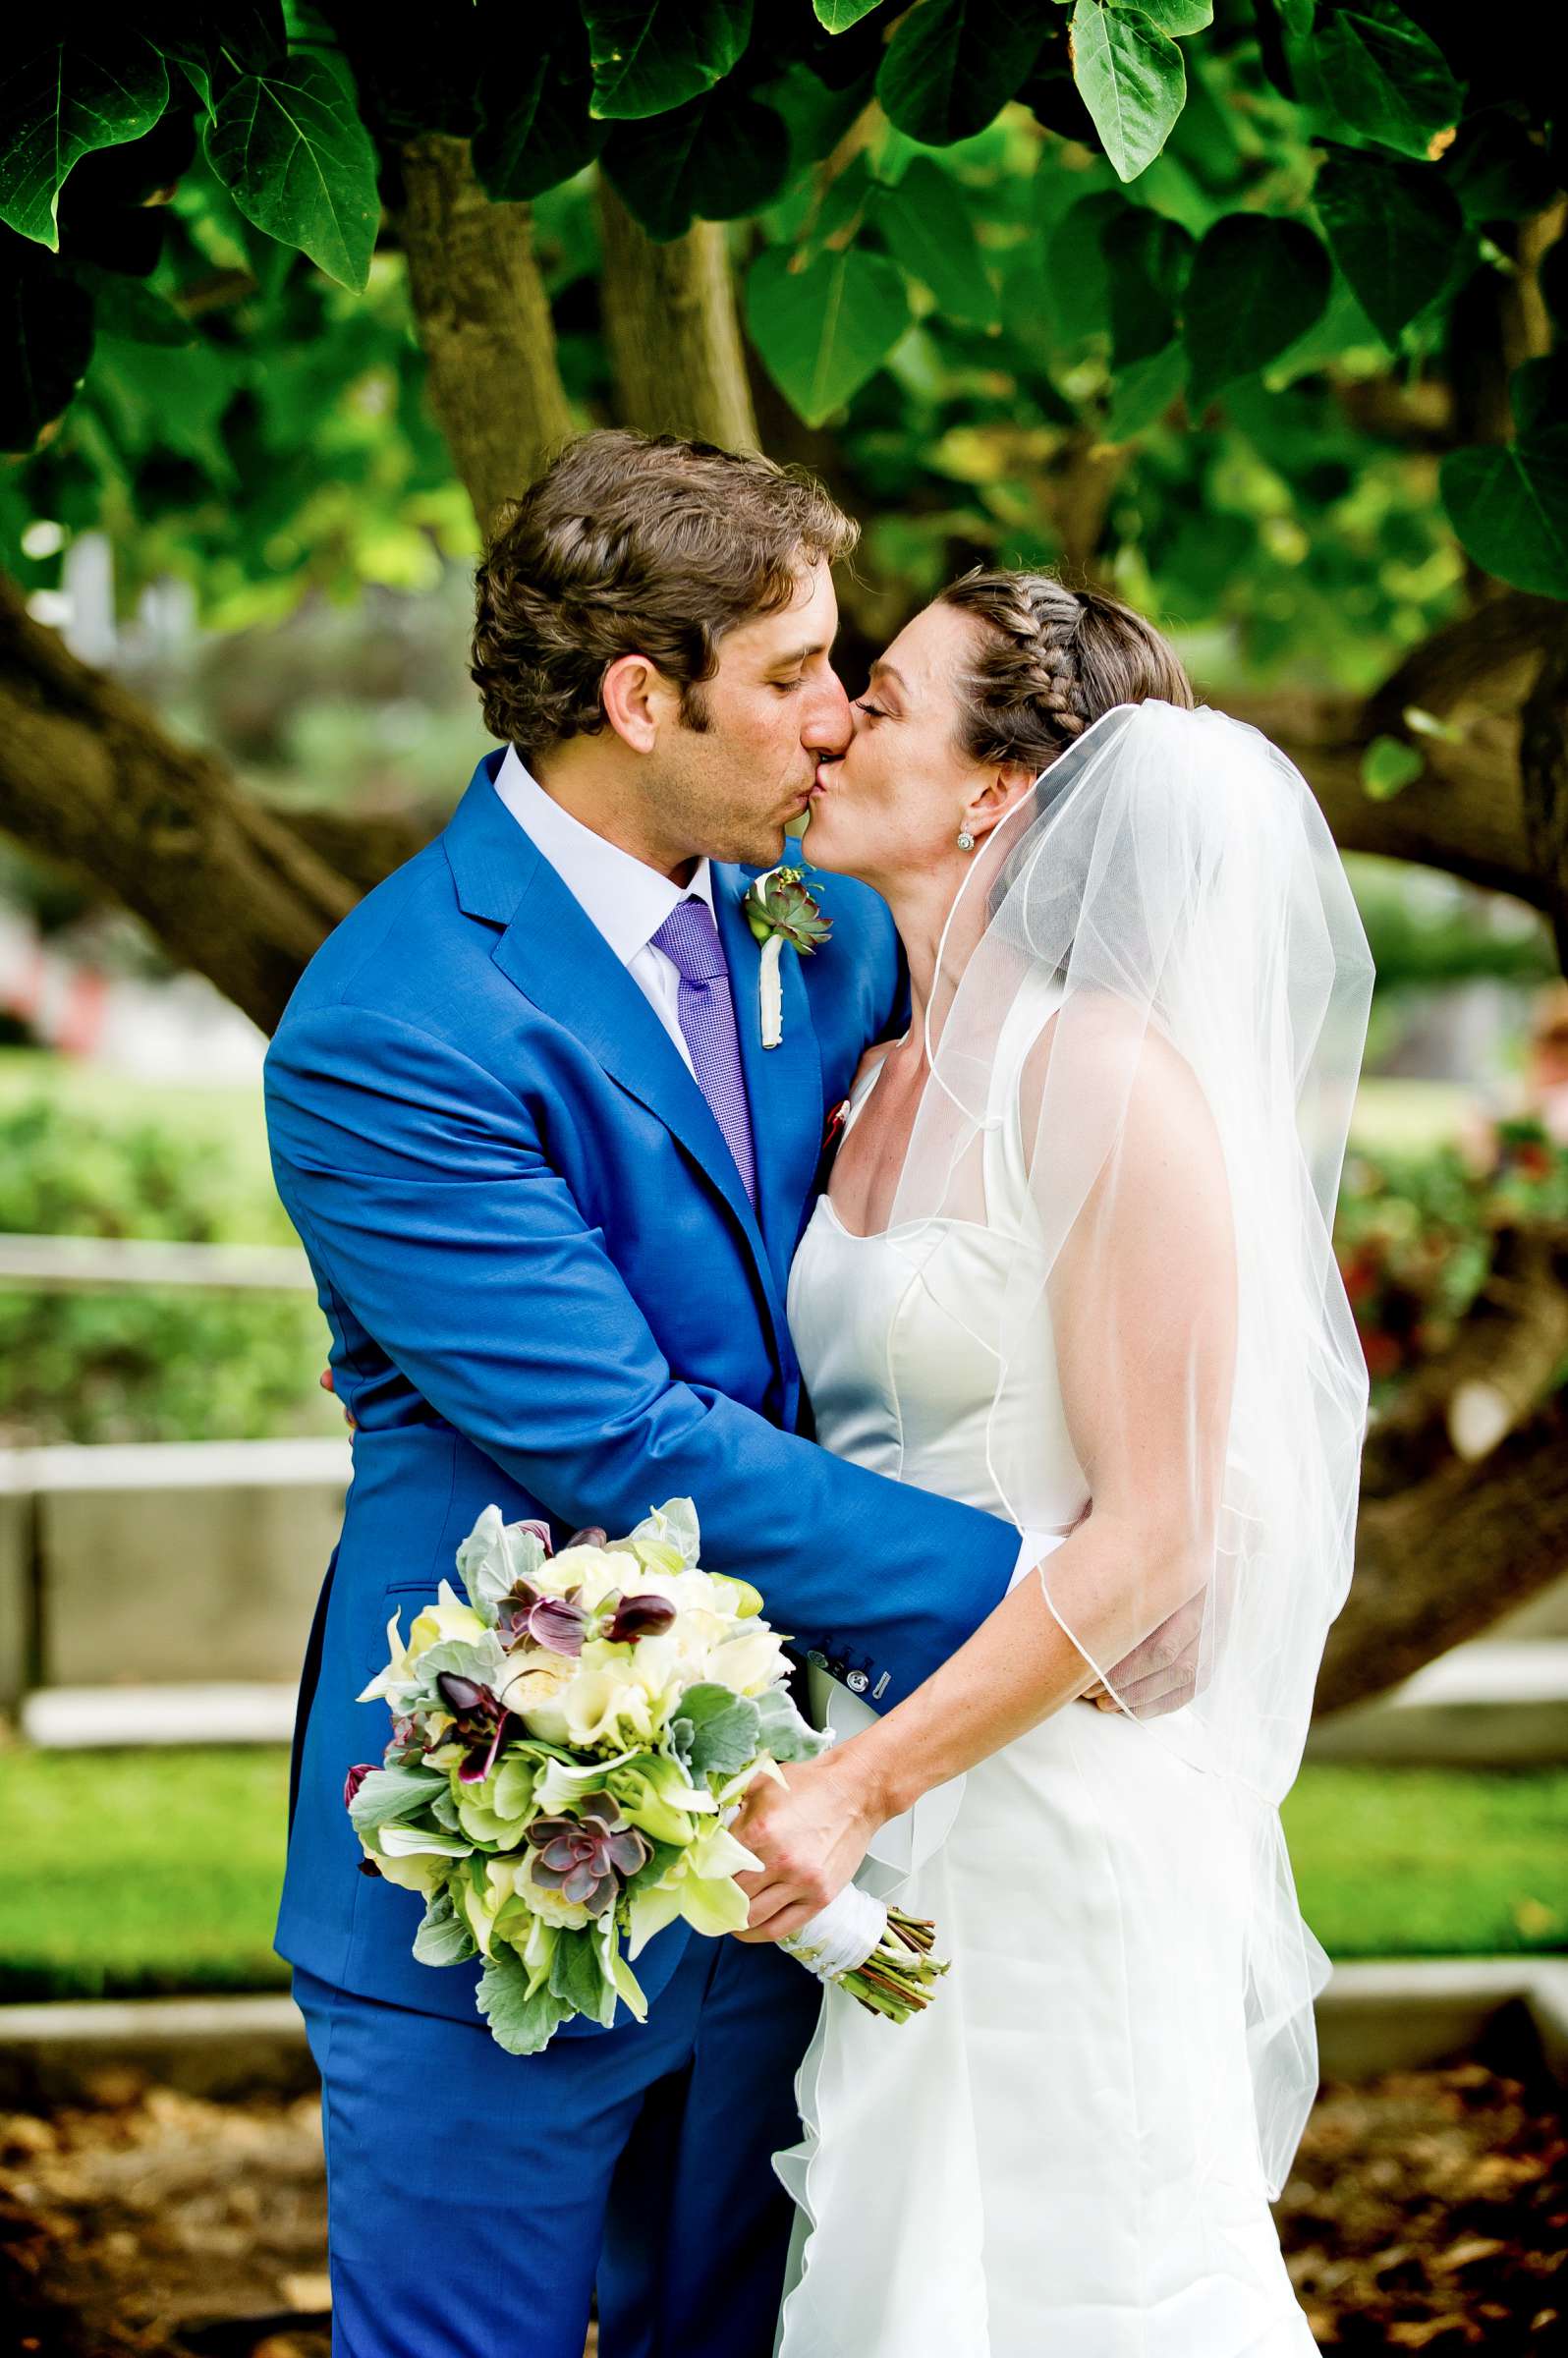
(1060, 2159)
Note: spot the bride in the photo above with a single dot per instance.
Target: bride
(1073, 1265)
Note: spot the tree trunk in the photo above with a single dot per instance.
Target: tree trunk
(672, 330)
(484, 322)
(1439, 1562)
(88, 778)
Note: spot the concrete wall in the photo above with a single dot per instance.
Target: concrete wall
(162, 1563)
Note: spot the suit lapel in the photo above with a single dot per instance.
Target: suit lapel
(560, 961)
(784, 1084)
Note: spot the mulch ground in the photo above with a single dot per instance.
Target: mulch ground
(1427, 2212)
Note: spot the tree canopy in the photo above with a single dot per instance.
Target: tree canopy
(1252, 309)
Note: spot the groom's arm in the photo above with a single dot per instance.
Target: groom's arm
(430, 1210)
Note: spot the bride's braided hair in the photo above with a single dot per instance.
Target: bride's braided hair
(1050, 661)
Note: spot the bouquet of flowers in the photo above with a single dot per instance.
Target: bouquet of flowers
(569, 1749)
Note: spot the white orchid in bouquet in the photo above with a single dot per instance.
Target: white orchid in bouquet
(569, 1749)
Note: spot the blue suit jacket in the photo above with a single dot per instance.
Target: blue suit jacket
(546, 1288)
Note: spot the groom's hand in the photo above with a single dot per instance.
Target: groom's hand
(1161, 1674)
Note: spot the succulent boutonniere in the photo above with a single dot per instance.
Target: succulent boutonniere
(779, 909)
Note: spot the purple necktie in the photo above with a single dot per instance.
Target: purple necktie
(690, 940)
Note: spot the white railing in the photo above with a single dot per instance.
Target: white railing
(93, 1265)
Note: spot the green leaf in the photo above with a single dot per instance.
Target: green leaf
(443, 1936)
(1296, 16)
(1385, 77)
(782, 1731)
(1538, 392)
(535, 127)
(63, 99)
(1497, 171)
(152, 408)
(1143, 392)
(1509, 506)
(814, 116)
(519, 2023)
(823, 330)
(952, 65)
(928, 227)
(1147, 262)
(649, 55)
(1179, 16)
(127, 307)
(1130, 78)
(244, 36)
(715, 1731)
(296, 158)
(1394, 229)
(1387, 764)
(712, 159)
(45, 341)
(578, 1979)
(1077, 274)
(1257, 285)
(837, 15)
(387, 1795)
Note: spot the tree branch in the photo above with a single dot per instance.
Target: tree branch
(1440, 1562)
(485, 324)
(1466, 813)
(88, 778)
(1544, 779)
(672, 330)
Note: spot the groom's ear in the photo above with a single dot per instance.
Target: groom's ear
(637, 702)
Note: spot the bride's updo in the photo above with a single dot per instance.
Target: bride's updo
(1050, 661)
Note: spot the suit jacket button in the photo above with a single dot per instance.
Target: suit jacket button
(856, 1682)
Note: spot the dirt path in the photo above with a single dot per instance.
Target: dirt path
(1428, 2212)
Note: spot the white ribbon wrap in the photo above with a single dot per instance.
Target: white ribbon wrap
(840, 1937)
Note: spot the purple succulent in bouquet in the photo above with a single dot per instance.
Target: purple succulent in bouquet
(480, 1723)
(587, 1857)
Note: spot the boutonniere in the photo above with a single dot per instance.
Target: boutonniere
(779, 909)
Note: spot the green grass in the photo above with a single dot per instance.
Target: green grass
(134, 1874)
(1431, 1862)
(140, 1872)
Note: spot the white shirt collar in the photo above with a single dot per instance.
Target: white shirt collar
(626, 899)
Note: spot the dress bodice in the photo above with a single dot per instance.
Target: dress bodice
(897, 1334)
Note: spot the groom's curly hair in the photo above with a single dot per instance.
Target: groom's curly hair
(634, 544)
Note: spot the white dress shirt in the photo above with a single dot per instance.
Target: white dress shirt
(621, 895)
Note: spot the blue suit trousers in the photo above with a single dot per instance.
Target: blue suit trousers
(476, 2196)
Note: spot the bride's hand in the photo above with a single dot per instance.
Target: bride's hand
(811, 1833)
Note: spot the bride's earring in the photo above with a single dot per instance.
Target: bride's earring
(966, 841)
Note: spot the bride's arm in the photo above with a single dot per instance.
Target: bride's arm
(1142, 1308)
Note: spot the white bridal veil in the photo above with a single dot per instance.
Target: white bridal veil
(1158, 957)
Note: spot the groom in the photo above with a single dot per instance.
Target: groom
(550, 1183)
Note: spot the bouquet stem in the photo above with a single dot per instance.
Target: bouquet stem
(897, 1976)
